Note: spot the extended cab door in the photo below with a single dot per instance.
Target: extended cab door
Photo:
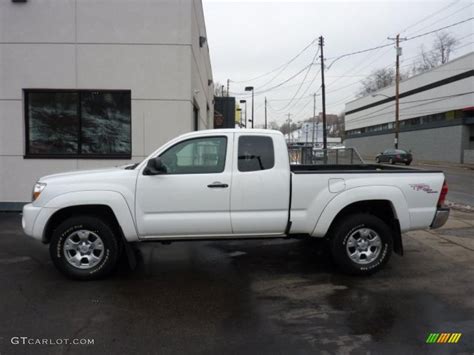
(193, 197)
(260, 185)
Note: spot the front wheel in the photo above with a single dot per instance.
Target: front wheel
(84, 248)
(361, 244)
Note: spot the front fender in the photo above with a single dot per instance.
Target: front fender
(112, 199)
(359, 194)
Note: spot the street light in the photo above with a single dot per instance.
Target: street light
(397, 126)
(245, 102)
(250, 88)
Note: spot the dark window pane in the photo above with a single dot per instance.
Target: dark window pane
(196, 156)
(53, 123)
(105, 122)
(255, 153)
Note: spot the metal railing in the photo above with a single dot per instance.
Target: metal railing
(307, 155)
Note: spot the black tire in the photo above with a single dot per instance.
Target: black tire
(350, 226)
(391, 161)
(109, 252)
(408, 163)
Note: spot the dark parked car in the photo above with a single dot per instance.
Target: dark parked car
(393, 156)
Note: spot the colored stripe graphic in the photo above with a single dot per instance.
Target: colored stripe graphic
(432, 337)
(454, 338)
(443, 338)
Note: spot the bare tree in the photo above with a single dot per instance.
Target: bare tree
(441, 50)
(273, 125)
(218, 89)
(379, 79)
(285, 128)
(340, 123)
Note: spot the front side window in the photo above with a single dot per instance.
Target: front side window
(78, 123)
(196, 156)
(255, 153)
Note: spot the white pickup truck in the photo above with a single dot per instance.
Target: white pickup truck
(231, 184)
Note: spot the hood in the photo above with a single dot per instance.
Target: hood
(79, 174)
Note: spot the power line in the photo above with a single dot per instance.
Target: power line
(278, 68)
(442, 19)
(301, 84)
(440, 29)
(430, 15)
(407, 39)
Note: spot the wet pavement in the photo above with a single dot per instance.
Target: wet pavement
(244, 297)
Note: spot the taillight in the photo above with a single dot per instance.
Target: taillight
(442, 195)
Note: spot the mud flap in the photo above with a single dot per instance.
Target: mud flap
(131, 258)
(397, 237)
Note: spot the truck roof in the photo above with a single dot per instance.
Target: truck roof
(233, 130)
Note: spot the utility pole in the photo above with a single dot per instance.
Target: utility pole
(289, 128)
(245, 114)
(314, 116)
(251, 88)
(253, 118)
(323, 92)
(265, 112)
(228, 85)
(222, 90)
(397, 92)
(397, 88)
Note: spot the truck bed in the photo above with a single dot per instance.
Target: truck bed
(354, 169)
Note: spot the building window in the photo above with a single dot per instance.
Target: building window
(255, 153)
(78, 124)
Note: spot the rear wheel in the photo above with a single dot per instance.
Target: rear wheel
(361, 244)
(84, 248)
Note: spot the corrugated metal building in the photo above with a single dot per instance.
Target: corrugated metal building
(436, 115)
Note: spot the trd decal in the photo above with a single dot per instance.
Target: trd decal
(423, 187)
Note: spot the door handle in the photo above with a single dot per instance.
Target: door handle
(217, 184)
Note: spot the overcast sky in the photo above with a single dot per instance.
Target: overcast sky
(250, 38)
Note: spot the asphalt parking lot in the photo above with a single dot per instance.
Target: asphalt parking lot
(246, 297)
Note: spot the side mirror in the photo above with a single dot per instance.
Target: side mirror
(154, 166)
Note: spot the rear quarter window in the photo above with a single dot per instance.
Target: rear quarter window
(255, 153)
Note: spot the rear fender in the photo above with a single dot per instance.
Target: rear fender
(365, 193)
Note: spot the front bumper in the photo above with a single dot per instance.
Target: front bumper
(30, 213)
(34, 220)
(440, 218)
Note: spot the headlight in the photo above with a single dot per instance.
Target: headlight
(37, 189)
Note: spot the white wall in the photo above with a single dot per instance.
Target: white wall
(150, 47)
(201, 68)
